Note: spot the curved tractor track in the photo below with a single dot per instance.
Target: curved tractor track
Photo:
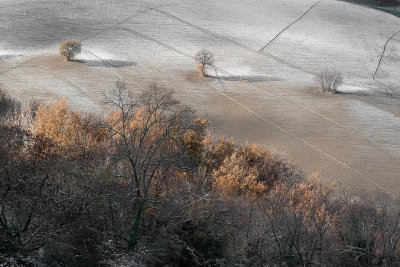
(287, 27)
(380, 63)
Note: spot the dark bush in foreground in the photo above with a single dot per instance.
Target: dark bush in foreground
(146, 185)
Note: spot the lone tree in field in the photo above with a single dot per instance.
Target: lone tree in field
(69, 49)
(330, 80)
(204, 58)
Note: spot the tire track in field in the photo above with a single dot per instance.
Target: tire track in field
(265, 54)
(138, 13)
(115, 69)
(268, 122)
(366, 178)
(13, 92)
(77, 88)
(287, 27)
(380, 62)
(284, 97)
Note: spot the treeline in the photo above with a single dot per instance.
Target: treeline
(145, 184)
(383, 3)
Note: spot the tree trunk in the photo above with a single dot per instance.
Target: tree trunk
(134, 236)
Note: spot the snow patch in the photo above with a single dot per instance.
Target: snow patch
(352, 89)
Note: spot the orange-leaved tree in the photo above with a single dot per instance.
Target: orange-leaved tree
(66, 131)
(252, 171)
(300, 221)
(146, 131)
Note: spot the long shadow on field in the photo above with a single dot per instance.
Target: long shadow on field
(395, 95)
(359, 93)
(114, 63)
(5, 57)
(246, 78)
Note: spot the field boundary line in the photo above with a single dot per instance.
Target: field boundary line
(233, 41)
(380, 62)
(287, 27)
(13, 92)
(115, 69)
(69, 83)
(138, 12)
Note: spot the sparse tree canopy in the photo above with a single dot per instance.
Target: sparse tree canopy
(8, 106)
(69, 49)
(330, 80)
(204, 58)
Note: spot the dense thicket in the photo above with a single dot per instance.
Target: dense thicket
(147, 185)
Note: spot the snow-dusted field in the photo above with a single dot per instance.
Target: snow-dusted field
(267, 92)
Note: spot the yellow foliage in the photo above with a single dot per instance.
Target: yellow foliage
(309, 201)
(216, 152)
(193, 138)
(312, 197)
(242, 173)
(69, 49)
(252, 171)
(67, 130)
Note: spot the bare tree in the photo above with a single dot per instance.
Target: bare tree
(145, 131)
(204, 58)
(330, 80)
(69, 49)
(388, 224)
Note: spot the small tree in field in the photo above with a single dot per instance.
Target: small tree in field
(69, 49)
(204, 58)
(330, 80)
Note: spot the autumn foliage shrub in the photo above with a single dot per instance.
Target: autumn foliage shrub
(253, 171)
(76, 133)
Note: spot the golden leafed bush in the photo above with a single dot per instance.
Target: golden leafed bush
(69, 49)
(193, 139)
(252, 171)
(69, 131)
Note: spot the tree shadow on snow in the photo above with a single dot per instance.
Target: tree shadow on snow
(5, 57)
(358, 93)
(386, 94)
(246, 78)
(102, 64)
